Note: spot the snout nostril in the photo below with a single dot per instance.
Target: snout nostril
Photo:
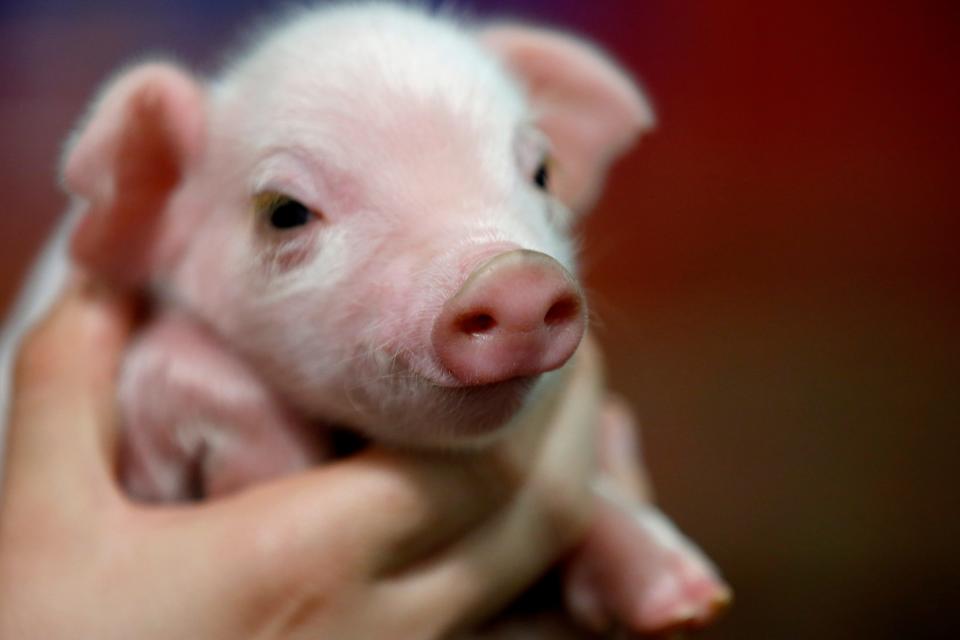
(562, 311)
(477, 323)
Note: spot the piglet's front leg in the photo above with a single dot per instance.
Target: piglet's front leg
(635, 570)
(198, 421)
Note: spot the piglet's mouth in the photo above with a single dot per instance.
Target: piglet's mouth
(483, 409)
(517, 384)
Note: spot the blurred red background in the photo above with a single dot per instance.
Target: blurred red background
(775, 270)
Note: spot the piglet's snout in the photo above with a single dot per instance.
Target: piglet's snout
(519, 314)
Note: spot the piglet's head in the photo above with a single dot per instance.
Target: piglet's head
(373, 206)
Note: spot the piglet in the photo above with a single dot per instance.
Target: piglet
(365, 220)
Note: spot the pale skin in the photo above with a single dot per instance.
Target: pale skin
(383, 544)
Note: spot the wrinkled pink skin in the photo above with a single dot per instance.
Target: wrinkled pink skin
(426, 301)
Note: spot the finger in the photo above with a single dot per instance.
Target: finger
(62, 414)
(312, 540)
(373, 513)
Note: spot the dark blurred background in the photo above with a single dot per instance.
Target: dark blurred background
(776, 268)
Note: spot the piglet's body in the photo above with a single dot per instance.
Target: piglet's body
(364, 222)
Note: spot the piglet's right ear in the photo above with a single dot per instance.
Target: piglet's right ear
(126, 161)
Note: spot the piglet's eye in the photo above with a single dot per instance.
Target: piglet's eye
(282, 212)
(542, 176)
(289, 214)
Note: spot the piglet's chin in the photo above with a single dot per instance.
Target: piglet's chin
(420, 414)
(481, 411)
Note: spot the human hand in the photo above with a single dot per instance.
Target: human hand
(380, 545)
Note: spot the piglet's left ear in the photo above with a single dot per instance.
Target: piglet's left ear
(588, 107)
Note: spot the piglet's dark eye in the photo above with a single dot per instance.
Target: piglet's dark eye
(542, 177)
(286, 214)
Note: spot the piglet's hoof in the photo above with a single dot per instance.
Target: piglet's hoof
(637, 572)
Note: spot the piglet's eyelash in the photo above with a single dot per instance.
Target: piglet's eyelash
(268, 200)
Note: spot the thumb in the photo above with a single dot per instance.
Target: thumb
(61, 431)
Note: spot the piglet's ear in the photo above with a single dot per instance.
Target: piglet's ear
(588, 107)
(126, 161)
